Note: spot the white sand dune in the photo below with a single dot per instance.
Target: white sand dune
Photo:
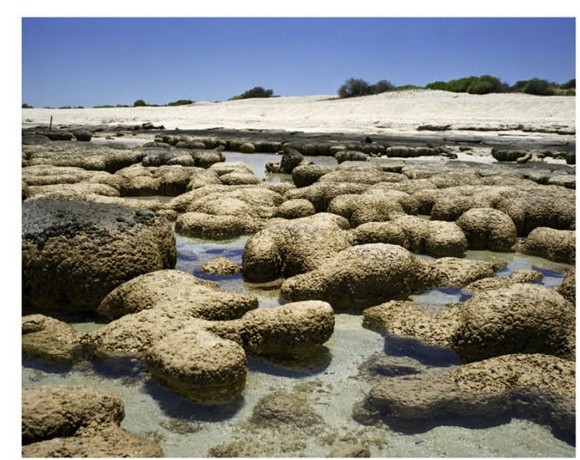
(397, 111)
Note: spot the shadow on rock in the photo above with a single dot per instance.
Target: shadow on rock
(181, 408)
(313, 364)
(425, 354)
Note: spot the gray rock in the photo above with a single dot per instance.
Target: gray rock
(75, 253)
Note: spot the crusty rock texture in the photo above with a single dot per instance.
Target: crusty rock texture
(281, 408)
(205, 360)
(198, 365)
(521, 318)
(487, 228)
(497, 282)
(50, 339)
(552, 244)
(74, 253)
(360, 276)
(293, 330)
(220, 266)
(176, 290)
(567, 288)
(437, 238)
(293, 247)
(536, 387)
(77, 421)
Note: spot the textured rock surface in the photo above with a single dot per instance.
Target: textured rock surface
(60, 411)
(47, 338)
(216, 227)
(294, 330)
(198, 365)
(75, 253)
(521, 318)
(451, 271)
(552, 244)
(76, 421)
(321, 194)
(497, 282)
(293, 247)
(220, 266)
(174, 289)
(360, 276)
(281, 408)
(532, 386)
(547, 206)
(568, 287)
(487, 228)
(294, 209)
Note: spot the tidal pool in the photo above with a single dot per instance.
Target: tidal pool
(331, 382)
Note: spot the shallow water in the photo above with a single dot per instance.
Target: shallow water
(332, 383)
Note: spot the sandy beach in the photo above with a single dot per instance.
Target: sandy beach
(403, 111)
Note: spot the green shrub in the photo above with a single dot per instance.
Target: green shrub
(460, 85)
(26, 106)
(354, 87)
(180, 102)
(570, 84)
(382, 86)
(538, 87)
(486, 84)
(437, 85)
(139, 103)
(256, 91)
(406, 87)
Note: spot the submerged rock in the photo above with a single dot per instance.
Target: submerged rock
(521, 318)
(220, 266)
(49, 339)
(535, 387)
(282, 408)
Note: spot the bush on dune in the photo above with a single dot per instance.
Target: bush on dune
(256, 91)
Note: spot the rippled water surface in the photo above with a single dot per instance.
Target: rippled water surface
(332, 382)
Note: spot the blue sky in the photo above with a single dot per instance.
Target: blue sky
(94, 61)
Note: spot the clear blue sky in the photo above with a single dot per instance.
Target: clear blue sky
(95, 61)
